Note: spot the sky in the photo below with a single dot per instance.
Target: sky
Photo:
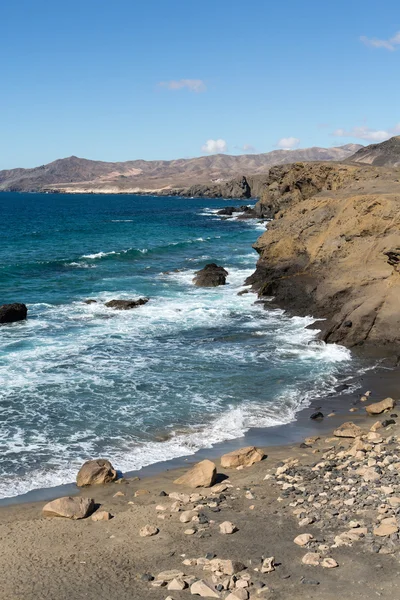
(165, 79)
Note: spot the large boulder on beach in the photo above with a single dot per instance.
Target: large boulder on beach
(94, 472)
(211, 276)
(69, 508)
(243, 457)
(10, 313)
(201, 475)
(348, 430)
(126, 304)
(379, 407)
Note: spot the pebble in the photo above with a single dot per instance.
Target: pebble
(227, 528)
(148, 531)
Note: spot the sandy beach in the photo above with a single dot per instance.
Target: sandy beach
(317, 489)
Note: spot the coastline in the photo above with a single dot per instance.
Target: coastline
(381, 380)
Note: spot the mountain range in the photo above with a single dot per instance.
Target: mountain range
(79, 175)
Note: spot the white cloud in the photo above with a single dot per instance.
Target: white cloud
(288, 143)
(215, 146)
(366, 133)
(389, 44)
(193, 85)
(248, 148)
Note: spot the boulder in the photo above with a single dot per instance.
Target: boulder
(201, 475)
(70, 508)
(10, 313)
(348, 430)
(126, 304)
(211, 276)
(379, 407)
(96, 471)
(244, 457)
(203, 589)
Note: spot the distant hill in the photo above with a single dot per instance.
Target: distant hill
(385, 154)
(80, 175)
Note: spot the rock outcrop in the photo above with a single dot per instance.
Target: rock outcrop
(69, 508)
(10, 313)
(332, 249)
(126, 304)
(201, 475)
(93, 472)
(211, 276)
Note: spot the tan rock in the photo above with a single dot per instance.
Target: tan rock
(394, 501)
(379, 407)
(268, 565)
(190, 531)
(370, 475)
(101, 515)
(94, 472)
(244, 457)
(227, 567)
(303, 539)
(238, 594)
(387, 527)
(118, 495)
(141, 493)
(348, 430)
(329, 563)
(311, 558)
(227, 528)
(203, 589)
(377, 425)
(187, 516)
(201, 475)
(148, 531)
(374, 437)
(69, 508)
(177, 585)
(219, 488)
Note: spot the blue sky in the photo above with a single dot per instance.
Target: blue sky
(167, 79)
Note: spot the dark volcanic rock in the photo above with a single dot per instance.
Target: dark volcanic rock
(126, 304)
(10, 313)
(211, 276)
(317, 415)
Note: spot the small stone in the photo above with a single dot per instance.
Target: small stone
(101, 515)
(311, 558)
(303, 539)
(118, 494)
(148, 531)
(329, 563)
(227, 528)
(190, 531)
(268, 565)
(203, 589)
(147, 577)
(177, 585)
(187, 516)
(141, 493)
(238, 594)
(170, 575)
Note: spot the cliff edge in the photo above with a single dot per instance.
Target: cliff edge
(332, 249)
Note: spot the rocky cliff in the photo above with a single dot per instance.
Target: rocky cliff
(386, 154)
(332, 249)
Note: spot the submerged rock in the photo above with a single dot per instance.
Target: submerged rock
(96, 471)
(211, 276)
(10, 313)
(69, 508)
(126, 304)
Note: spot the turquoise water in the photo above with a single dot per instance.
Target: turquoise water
(191, 368)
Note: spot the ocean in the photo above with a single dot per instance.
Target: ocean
(191, 368)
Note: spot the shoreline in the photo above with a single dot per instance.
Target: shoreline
(379, 379)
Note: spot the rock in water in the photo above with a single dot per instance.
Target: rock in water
(202, 475)
(244, 457)
(379, 407)
(70, 508)
(126, 304)
(211, 276)
(96, 471)
(348, 430)
(10, 313)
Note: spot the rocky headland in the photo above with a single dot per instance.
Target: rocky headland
(332, 248)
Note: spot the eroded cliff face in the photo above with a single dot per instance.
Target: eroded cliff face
(332, 249)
